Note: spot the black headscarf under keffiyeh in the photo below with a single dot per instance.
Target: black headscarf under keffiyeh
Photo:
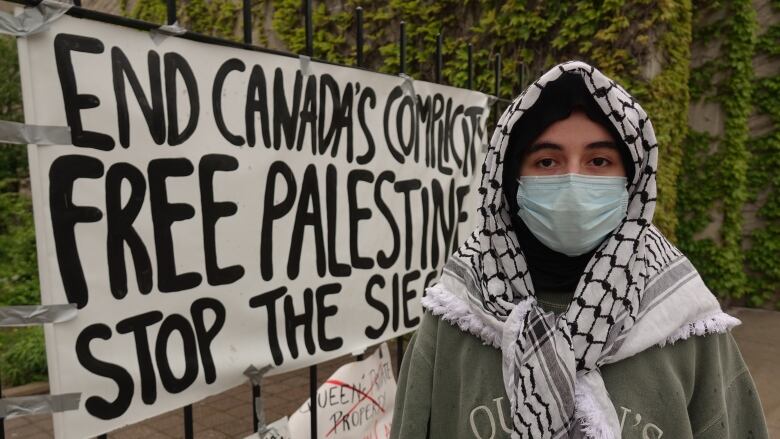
(550, 270)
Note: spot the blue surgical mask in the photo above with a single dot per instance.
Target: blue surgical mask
(571, 213)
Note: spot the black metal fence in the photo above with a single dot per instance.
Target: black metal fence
(79, 12)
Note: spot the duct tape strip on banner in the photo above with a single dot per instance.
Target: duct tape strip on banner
(408, 85)
(38, 404)
(32, 20)
(19, 133)
(255, 375)
(165, 31)
(28, 315)
(305, 65)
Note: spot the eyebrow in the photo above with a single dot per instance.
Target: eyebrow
(554, 146)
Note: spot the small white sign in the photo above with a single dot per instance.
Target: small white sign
(279, 429)
(355, 402)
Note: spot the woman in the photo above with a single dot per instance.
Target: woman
(567, 313)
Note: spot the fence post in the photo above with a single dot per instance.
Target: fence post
(522, 76)
(402, 49)
(438, 58)
(399, 341)
(359, 39)
(188, 430)
(307, 12)
(255, 397)
(498, 74)
(497, 89)
(399, 353)
(171, 7)
(470, 83)
(247, 11)
(188, 433)
(309, 28)
(2, 420)
(248, 40)
(313, 400)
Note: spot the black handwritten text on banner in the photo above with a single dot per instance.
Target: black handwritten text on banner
(221, 207)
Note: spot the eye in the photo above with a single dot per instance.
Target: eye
(545, 163)
(601, 162)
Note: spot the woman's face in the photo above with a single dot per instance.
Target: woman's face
(575, 145)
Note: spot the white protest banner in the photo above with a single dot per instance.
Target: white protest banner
(222, 207)
(356, 402)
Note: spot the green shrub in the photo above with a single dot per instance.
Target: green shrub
(23, 358)
(22, 352)
(18, 269)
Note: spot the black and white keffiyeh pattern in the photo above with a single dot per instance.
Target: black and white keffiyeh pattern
(637, 291)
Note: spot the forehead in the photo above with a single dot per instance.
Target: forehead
(576, 131)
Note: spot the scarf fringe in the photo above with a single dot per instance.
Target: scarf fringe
(593, 408)
(449, 307)
(716, 323)
(591, 418)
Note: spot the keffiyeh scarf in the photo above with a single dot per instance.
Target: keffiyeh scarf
(637, 291)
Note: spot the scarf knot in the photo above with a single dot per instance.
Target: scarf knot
(538, 360)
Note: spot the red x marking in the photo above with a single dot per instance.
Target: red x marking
(364, 396)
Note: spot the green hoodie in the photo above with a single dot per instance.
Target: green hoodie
(451, 386)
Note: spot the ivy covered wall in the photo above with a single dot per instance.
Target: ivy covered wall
(729, 190)
(763, 241)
